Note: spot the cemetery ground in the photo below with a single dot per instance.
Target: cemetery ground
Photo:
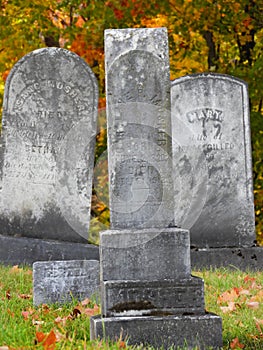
(234, 295)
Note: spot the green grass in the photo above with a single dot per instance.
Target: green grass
(234, 295)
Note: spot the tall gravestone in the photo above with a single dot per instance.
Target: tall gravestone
(147, 291)
(47, 154)
(213, 161)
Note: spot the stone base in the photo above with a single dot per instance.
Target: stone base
(145, 254)
(191, 331)
(139, 298)
(243, 258)
(25, 251)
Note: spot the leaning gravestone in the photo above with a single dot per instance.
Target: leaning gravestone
(212, 157)
(62, 281)
(47, 154)
(148, 294)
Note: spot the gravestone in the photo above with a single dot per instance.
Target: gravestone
(147, 292)
(63, 281)
(213, 161)
(47, 153)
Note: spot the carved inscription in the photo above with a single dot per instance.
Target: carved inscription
(35, 91)
(49, 124)
(139, 139)
(60, 281)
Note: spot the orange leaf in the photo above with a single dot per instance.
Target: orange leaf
(25, 314)
(231, 307)
(12, 314)
(50, 342)
(231, 295)
(40, 336)
(16, 269)
(121, 344)
(236, 345)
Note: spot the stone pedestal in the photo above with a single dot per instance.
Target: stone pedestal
(190, 331)
(148, 293)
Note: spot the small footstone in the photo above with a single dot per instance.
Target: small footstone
(62, 281)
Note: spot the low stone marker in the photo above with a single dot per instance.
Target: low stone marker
(213, 161)
(62, 281)
(147, 291)
(49, 130)
(47, 153)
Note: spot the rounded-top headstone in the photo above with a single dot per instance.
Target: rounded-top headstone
(48, 138)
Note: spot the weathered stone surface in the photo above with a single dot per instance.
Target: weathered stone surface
(138, 298)
(49, 129)
(212, 158)
(61, 281)
(242, 258)
(202, 331)
(139, 125)
(23, 250)
(146, 254)
(145, 260)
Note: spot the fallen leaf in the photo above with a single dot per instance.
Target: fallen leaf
(236, 345)
(121, 344)
(85, 302)
(25, 296)
(50, 342)
(91, 312)
(15, 269)
(227, 296)
(253, 304)
(244, 292)
(76, 312)
(231, 307)
(8, 294)
(40, 336)
(25, 314)
(37, 323)
(12, 314)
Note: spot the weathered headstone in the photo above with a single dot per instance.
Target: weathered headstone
(48, 137)
(212, 158)
(146, 282)
(62, 281)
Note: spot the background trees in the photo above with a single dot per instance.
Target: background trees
(224, 36)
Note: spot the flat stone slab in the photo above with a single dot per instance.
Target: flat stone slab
(145, 254)
(139, 298)
(244, 259)
(213, 160)
(61, 281)
(202, 331)
(26, 251)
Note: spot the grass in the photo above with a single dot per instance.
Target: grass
(234, 295)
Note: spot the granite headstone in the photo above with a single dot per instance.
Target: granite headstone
(144, 260)
(47, 153)
(212, 160)
(63, 281)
